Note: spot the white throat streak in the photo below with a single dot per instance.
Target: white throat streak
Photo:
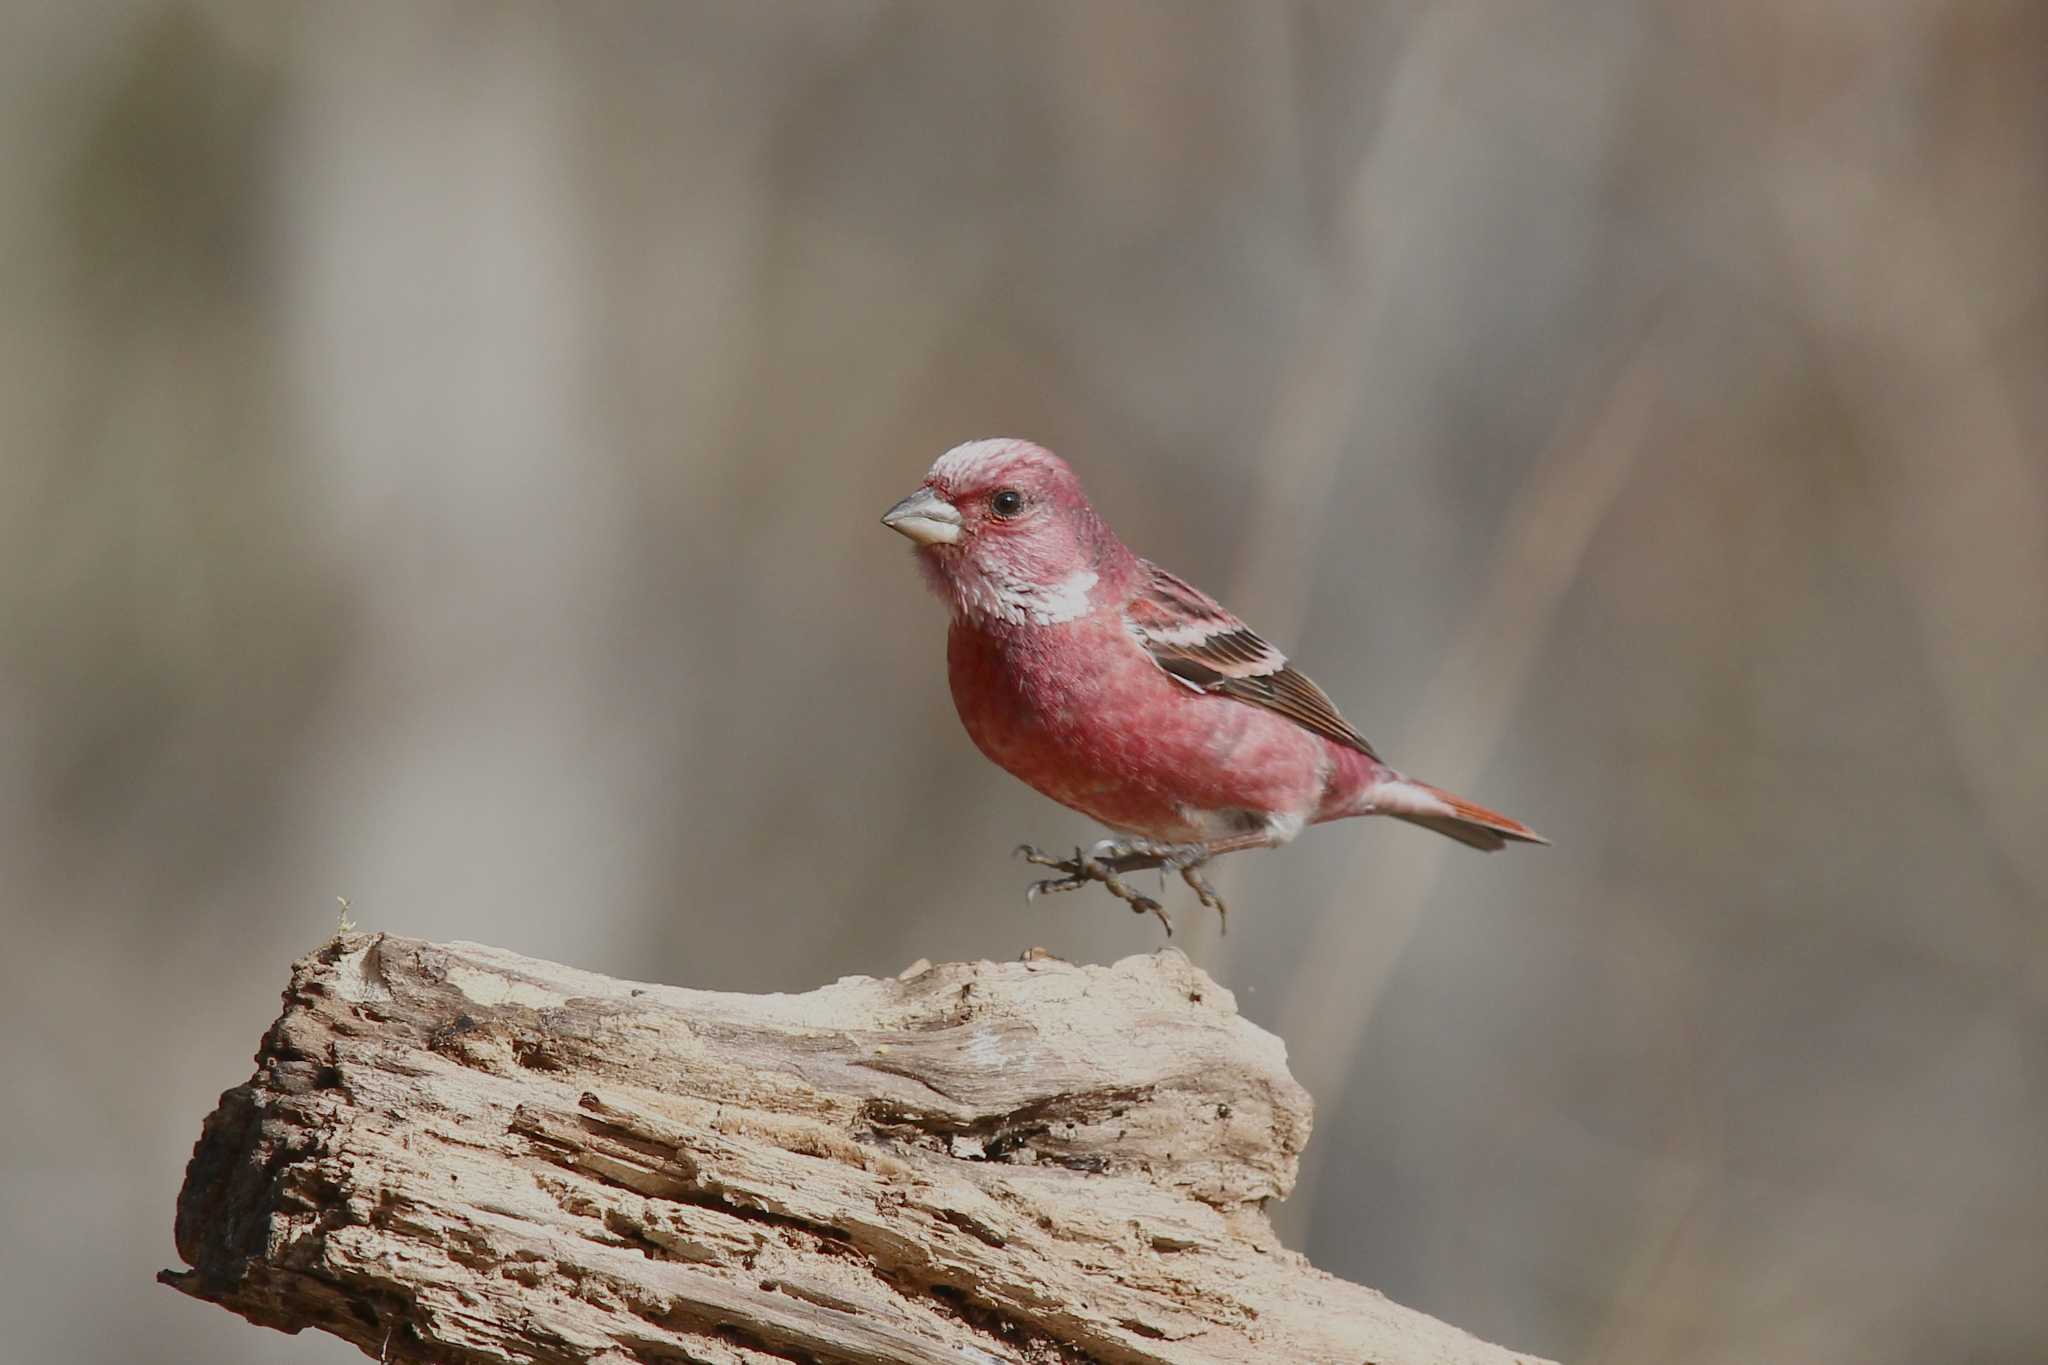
(1006, 599)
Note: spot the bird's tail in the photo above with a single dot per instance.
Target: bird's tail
(1452, 816)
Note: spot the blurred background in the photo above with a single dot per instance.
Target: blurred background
(440, 454)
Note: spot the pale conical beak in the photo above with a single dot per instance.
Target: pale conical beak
(925, 517)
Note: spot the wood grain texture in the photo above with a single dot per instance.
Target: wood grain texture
(451, 1153)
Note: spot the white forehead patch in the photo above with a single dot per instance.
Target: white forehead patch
(966, 466)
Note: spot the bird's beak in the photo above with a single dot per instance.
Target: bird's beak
(925, 517)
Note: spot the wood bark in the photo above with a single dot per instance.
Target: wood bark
(452, 1153)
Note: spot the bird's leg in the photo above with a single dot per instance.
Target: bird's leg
(1103, 864)
(1207, 895)
(1186, 859)
(1109, 859)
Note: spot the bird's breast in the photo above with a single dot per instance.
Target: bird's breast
(1081, 713)
(1039, 695)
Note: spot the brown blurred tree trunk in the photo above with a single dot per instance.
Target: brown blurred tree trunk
(450, 1153)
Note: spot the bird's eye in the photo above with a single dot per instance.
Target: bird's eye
(1007, 502)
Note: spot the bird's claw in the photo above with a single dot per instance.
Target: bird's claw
(1207, 895)
(1086, 867)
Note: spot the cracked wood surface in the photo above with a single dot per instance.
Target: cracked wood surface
(452, 1153)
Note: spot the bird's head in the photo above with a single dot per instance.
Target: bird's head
(1004, 533)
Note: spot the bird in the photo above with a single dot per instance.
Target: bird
(1128, 694)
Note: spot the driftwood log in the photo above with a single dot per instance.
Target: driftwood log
(451, 1153)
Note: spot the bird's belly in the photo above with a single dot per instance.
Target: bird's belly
(1088, 720)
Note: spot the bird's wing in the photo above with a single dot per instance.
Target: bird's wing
(1193, 638)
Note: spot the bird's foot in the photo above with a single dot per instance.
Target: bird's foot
(1091, 866)
(1129, 855)
(1207, 895)
(1110, 858)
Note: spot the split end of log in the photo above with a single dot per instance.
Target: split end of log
(451, 1153)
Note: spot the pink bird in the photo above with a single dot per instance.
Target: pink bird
(1128, 694)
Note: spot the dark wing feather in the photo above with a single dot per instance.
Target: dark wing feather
(1192, 637)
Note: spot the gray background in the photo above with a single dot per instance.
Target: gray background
(440, 449)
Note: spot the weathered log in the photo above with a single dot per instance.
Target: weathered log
(451, 1153)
